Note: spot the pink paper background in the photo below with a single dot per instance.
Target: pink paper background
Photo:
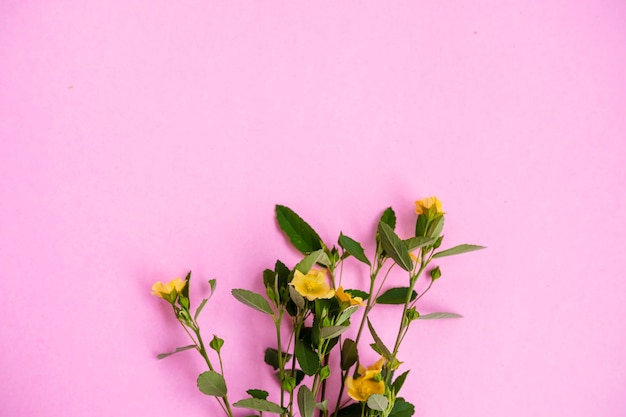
(142, 139)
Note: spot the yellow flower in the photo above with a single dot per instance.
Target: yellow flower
(430, 207)
(170, 290)
(370, 382)
(345, 297)
(312, 285)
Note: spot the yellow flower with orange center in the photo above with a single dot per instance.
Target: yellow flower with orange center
(170, 290)
(430, 207)
(369, 382)
(345, 297)
(312, 285)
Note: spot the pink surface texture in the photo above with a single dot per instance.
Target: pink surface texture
(143, 139)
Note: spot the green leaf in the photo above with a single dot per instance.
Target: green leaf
(212, 383)
(260, 405)
(185, 291)
(420, 226)
(379, 343)
(418, 242)
(200, 307)
(180, 349)
(308, 360)
(433, 316)
(349, 354)
(394, 246)
(271, 357)
(377, 402)
(318, 256)
(353, 410)
(457, 250)
(389, 218)
(299, 375)
(301, 235)
(332, 331)
(435, 227)
(306, 401)
(353, 247)
(346, 314)
(258, 393)
(296, 297)
(395, 296)
(397, 384)
(402, 408)
(254, 300)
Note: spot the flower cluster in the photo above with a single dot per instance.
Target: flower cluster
(322, 314)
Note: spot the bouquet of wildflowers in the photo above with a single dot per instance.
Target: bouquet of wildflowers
(311, 297)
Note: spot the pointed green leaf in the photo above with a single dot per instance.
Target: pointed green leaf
(377, 402)
(306, 401)
(296, 297)
(258, 393)
(318, 256)
(358, 293)
(349, 354)
(389, 218)
(353, 247)
(260, 405)
(379, 343)
(397, 384)
(185, 291)
(212, 383)
(457, 250)
(395, 296)
(435, 227)
(420, 226)
(301, 235)
(271, 357)
(200, 307)
(308, 360)
(254, 300)
(418, 242)
(346, 314)
(394, 246)
(332, 331)
(433, 316)
(180, 349)
(402, 408)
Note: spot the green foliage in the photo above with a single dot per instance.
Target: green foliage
(396, 296)
(307, 359)
(180, 349)
(433, 316)
(306, 401)
(260, 405)
(402, 408)
(457, 250)
(212, 383)
(320, 322)
(377, 402)
(394, 246)
(354, 248)
(257, 393)
(300, 234)
(349, 354)
(254, 300)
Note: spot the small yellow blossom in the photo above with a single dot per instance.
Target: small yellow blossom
(170, 290)
(345, 297)
(312, 285)
(369, 382)
(430, 207)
